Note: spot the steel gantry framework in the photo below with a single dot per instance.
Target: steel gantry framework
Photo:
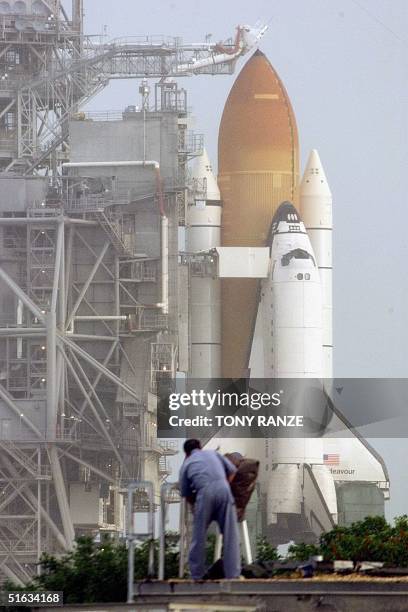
(73, 423)
(61, 386)
(49, 68)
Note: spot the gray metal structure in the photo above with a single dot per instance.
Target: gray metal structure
(89, 214)
(49, 68)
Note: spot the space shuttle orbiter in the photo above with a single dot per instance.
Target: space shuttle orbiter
(304, 475)
(307, 485)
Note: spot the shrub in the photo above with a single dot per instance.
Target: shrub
(372, 539)
(302, 552)
(265, 551)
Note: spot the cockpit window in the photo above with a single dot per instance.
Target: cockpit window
(296, 254)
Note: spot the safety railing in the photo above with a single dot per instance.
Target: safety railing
(132, 536)
(169, 494)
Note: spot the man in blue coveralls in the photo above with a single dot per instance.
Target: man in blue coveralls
(204, 480)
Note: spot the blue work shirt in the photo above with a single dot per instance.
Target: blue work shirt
(201, 468)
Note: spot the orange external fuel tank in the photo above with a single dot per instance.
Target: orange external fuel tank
(258, 165)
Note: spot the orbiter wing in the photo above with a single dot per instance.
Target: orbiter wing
(350, 457)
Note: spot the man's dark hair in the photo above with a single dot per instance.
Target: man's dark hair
(190, 445)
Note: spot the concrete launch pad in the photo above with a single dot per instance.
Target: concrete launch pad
(274, 595)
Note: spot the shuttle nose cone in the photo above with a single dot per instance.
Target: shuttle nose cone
(314, 180)
(203, 176)
(286, 212)
(258, 127)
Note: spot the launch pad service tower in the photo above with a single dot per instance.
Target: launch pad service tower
(94, 313)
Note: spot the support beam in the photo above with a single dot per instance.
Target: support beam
(27, 301)
(52, 396)
(45, 221)
(11, 575)
(91, 308)
(9, 401)
(87, 284)
(87, 396)
(89, 386)
(32, 500)
(91, 467)
(8, 107)
(68, 270)
(29, 332)
(92, 338)
(98, 366)
(57, 269)
(99, 375)
(62, 497)
(109, 272)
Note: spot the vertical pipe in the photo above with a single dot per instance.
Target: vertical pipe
(39, 551)
(60, 373)
(61, 324)
(51, 375)
(246, 542)
(144, 133)
(218, 545)
(117, 306)
(162, 535)
(19, 324)
(78, 28)
(57, 270)
(183, 543)
(77, 16)
(20, 128)
(165, 263)
(131, 554)
(61, 281)
(150, 569)
(68, 269)
(47, 510)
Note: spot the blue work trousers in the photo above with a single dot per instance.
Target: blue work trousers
(215, 503)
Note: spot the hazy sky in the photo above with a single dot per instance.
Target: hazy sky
(344, 64)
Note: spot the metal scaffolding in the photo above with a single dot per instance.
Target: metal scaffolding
(49, 68)
(64, 416)
(75, 427)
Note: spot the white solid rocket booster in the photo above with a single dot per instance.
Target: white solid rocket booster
(316, 206)
(203, 233)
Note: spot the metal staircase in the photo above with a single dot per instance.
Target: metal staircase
(37, 471)
(164, 468)
(112, 229)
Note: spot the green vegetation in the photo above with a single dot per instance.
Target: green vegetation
(91, 573)
(98, 572)
(265, 551)
(302, 552)
(372, 539)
